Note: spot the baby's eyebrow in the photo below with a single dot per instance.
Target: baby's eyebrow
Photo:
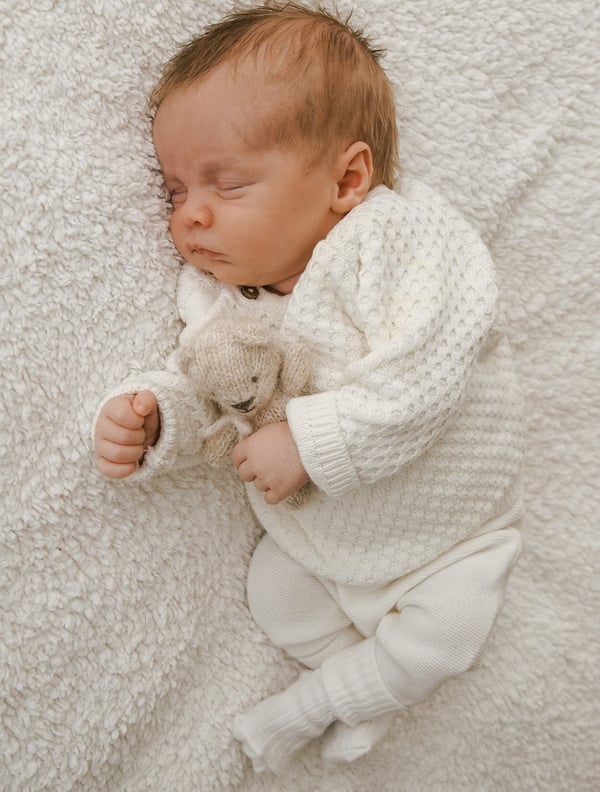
(216, 166)
(209, 170)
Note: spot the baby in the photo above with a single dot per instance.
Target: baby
(276, 135)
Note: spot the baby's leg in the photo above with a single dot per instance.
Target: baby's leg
(294, 608)
(439, 628)
(299, 615)
(436, 631)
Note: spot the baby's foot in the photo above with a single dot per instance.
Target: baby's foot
(281, 725)
(347, 743)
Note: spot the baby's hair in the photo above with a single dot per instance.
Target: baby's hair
(336, 90)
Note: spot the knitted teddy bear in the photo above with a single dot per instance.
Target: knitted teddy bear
(245, 375)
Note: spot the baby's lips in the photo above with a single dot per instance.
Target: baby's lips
(209, 254)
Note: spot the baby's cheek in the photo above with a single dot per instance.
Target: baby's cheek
(177, 234)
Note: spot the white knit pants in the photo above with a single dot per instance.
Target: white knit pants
(382, 648)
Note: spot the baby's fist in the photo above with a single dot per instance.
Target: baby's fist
(127, 425)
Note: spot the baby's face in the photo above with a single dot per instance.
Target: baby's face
(250, 214)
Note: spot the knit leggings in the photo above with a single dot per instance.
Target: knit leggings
(382, 648)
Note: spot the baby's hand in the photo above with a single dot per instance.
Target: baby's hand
(126, 427)
(270, 459)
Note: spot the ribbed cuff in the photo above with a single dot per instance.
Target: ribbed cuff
(354, 685)
(314, 424)
(158, 456)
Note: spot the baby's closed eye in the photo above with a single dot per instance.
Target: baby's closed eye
(232, 189)
(177, 195)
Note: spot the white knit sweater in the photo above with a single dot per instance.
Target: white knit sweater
(413, 437)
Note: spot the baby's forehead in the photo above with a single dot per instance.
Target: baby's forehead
(256, 96)
(266, 103)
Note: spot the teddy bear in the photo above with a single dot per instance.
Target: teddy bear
(245, 374)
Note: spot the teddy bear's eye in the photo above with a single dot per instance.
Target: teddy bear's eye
(254, 379)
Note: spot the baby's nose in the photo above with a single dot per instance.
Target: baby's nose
(197, 209)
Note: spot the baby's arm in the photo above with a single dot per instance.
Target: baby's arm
(426, 304)
(172, 427)
(174, 442)
(126, 427)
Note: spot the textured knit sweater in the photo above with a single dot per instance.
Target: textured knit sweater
(413, 436)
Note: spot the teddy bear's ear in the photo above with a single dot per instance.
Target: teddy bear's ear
(252, 333)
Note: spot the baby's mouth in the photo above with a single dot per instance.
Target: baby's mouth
(213, 255)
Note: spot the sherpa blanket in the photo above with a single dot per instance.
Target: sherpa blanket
(126, 647)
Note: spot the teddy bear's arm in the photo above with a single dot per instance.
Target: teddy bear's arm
(295, 370)
(218, 445)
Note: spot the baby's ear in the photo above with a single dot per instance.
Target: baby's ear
(355, 170)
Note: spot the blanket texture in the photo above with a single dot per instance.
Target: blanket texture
(126, 647)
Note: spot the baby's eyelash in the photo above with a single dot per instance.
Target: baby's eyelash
(177, 195)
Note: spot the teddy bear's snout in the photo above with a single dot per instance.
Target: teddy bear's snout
(244, 406)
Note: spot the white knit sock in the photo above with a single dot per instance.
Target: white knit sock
(347, 743)
(354, 685)
(347, 687)
(278, 727)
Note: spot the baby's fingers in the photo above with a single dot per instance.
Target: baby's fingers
(121, 412)
(114, 470)
(116, 460)
(118, 452)
(121, 435)
(239, 453)
(144, 403)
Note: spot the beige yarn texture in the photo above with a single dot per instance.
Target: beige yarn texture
(247, 375)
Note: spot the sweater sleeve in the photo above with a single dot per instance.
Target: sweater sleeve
(183, 415)
(422, 292)
(182, 418)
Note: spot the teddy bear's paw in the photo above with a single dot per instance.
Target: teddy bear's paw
(217, 447)
(299, 497)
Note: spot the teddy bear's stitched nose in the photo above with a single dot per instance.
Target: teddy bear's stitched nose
(244, 406)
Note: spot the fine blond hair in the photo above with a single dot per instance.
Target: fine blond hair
(336, 90)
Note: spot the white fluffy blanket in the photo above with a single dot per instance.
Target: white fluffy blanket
(126, 647)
